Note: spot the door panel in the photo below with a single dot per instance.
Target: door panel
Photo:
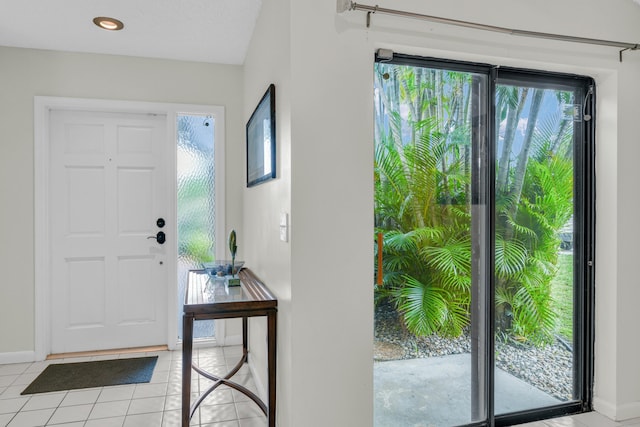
(86, 206)
(135, 203)
(136, 294)
(90, 314)
(430, 166)
(108, 284)
(535, 211)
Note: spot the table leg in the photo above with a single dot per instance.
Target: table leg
(187, 359)
(271, 356)
(245, 333)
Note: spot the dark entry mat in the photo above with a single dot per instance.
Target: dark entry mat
(69, 376)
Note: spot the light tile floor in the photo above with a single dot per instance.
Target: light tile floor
(151, 404)
(158, 403)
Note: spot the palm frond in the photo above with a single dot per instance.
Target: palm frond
(424, 307)
(457, 282)
(399, 241)
(510, 256)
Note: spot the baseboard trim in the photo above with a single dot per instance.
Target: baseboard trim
(17, 357)
(617, 412)
(604, 407)
(233, 340)
(628, 411)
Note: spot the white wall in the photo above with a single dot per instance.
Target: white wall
(326, 61)
(627, 403)
(25, 73)
(325, 303)
(332, 200)
(268, 62)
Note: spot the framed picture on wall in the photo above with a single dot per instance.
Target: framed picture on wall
(261, 140)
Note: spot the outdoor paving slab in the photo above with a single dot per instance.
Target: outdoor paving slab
(436, 392)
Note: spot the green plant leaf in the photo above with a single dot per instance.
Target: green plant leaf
(510, 256)
(424, 307)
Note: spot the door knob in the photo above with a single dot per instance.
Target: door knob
(160, 237)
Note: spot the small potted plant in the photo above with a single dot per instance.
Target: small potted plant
(233, 248)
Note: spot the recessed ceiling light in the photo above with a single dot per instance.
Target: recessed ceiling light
(107, 23)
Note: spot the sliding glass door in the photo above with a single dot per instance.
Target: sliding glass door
(426, 139)
(483, 237)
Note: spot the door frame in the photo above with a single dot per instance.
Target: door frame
(43, 105)
(584, 205)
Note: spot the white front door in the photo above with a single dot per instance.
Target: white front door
(108, 279)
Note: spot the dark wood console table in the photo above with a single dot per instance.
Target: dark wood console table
(207, 298)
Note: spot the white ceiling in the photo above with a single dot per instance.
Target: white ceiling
(216, 31)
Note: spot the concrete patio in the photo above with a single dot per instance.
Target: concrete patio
(436, 392)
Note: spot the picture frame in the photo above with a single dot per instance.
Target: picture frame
(261, 140)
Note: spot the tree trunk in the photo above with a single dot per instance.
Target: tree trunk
(523, 158)
(503, 318)
(513, 119)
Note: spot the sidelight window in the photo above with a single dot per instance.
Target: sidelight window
(196, 204)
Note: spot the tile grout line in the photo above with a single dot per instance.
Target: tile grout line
(171, 366)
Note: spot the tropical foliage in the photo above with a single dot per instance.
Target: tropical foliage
(423, 199)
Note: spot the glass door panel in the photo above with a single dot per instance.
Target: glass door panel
(534, 246)
(483, 214)
(196, 205)
(429, 347)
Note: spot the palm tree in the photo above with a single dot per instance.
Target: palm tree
(422, 201)
(533, 203)
(421, 181)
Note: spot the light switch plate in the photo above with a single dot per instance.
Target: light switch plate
(284, 226)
